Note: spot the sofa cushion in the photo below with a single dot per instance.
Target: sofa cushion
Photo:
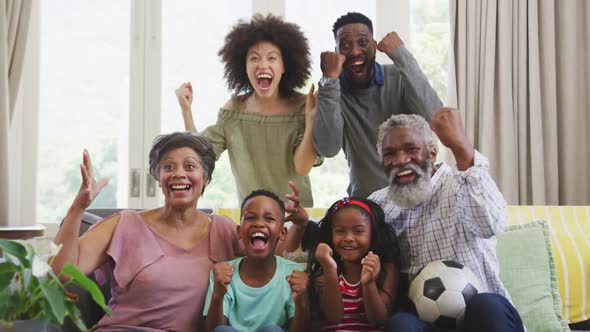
(527, 269)
(570, 233)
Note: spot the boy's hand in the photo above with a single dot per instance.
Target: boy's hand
(323, 253)
(371, 268)
(184, 94)
(297, 214)
(298, 281)
(222, 275)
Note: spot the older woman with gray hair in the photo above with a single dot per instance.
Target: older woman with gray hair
(160, 258)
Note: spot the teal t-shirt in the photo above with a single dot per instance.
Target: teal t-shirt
(250, 308)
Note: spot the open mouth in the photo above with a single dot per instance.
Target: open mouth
(180, 187)
(258, 240)
(357, 67)
(405, 177)
(264, 80)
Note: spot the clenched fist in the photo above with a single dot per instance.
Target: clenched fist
(184, 94)
(222, 275)
(447, 125)
(371, 267)
(323, 253)
(389, 43)
(298, 281)
(331, 64)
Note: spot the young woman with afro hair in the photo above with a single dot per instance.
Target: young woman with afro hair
(266, 125)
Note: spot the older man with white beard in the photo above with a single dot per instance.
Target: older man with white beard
(444, 213)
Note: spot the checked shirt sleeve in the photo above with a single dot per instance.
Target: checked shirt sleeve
(480, 203)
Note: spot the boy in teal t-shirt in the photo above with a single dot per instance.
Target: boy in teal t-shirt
(259, 290)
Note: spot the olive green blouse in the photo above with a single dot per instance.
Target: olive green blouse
(261, 149)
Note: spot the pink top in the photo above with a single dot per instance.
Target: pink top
(157, 285)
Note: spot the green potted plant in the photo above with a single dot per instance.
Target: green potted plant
(31, 295)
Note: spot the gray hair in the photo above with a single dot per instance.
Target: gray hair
(410, 121)
(163, 144)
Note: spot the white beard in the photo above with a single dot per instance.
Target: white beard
(412, 194)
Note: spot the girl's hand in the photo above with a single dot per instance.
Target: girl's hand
(371, 268)
(311, 105)
(297, 214)
(298, 281)
(323, 253)
(89, 189)
(222, 275)
(184, 94)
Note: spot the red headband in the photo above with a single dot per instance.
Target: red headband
(346, 201)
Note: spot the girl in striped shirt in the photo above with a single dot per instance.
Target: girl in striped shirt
(354, 267)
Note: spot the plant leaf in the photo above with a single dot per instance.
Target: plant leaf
(56, 298)
(17, 250)
(86, 283)
(76, 316)
(7, 272)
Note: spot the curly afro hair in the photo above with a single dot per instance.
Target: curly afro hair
(351, 18)
(286, 36)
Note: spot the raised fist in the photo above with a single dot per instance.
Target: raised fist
(222, 275)
(184, 94)
(331, 64)
(371, 267)
(323, 253)
(389, 43)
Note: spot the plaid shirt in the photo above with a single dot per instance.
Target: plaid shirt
(459, 223)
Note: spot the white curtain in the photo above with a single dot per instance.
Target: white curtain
(14, 23)
(520, 75)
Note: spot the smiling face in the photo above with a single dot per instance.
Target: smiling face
(182, 177)
(265, 67)
(261, 226)
(408, 162)
(355, 41)
(351, 234)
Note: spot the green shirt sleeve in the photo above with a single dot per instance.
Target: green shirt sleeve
(216, 136)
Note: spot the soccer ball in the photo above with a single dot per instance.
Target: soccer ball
(441, 290)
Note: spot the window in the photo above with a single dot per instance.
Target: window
(84, 88)
(430, 41)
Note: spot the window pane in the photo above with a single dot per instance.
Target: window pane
(430, 41)
(316, 18)
(84, 88)
(191, 38)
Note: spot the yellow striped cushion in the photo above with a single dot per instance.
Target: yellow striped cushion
(570, 237)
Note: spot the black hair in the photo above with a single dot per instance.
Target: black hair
(163, 144)
(263, 192)
(351, 18)
(288, 37)
(384, 242)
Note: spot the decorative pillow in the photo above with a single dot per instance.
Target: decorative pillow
(527, 269)
(570, 232)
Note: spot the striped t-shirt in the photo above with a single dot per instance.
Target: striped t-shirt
(354, 318)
